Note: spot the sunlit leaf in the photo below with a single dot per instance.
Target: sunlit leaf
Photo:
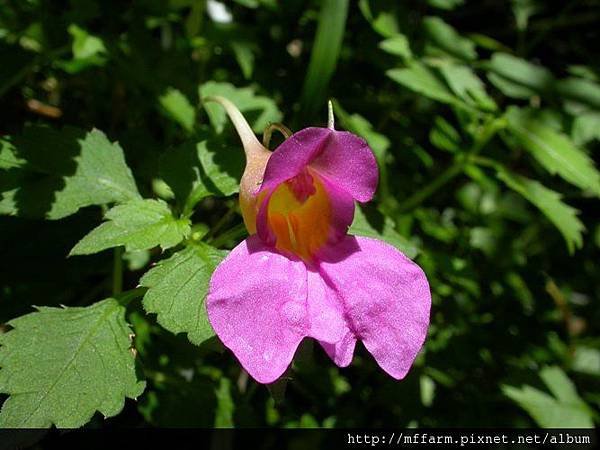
(178, 108)
(554, 150)
(447, 39)
(259, 110)
(177, 290)
(549, 202)
(61, 365)
(417, 77)
(138, 225)
(563, 409)
(50, 173)
(518, 78)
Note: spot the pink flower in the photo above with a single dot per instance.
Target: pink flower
(300, 274)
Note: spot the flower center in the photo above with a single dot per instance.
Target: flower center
(299, 215)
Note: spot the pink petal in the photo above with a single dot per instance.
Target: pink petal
(386, 301)
(257, 306)
(326, 314)
(342, 157)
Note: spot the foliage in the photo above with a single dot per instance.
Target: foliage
(484, 120)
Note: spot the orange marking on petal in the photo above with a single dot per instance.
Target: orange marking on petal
(299, 215)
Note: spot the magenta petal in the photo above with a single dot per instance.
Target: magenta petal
(326, 314)
(348, 162)
(386, 301)
(341, 209)
(343, 158)
(257, 306)
(342, 351)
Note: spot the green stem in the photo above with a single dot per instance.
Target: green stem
(490, 128)
(118, 271)
(233, 233)
(222, 221)
(446, 176)
(130, 295)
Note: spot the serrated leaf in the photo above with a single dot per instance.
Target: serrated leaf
(563, 410)
(180, 168)
(383, 22)
(447, 39)
(178, 107)
(586, 128)
(465, 84)
(371, 223)
(223, 165)
(60, 366)
(138, 225)
(177, 289)
(50, 173)
(518, 78)
(444, 136)
(417, 77)
(259, 110)
(549, 202)
(553, 150)
(397, 45)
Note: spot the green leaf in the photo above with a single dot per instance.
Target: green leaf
(518, 78)
(138, 225)
(177, 107)
(244, 55)
(371, 223)
(444, 136)
(60, 365)
(587, 360)
(564, 409)
(579, 90)
(225, 405)
(445, 4)
(180, 168)
(523, 9)
(177, 290)
(445, 38)
(553, 150)
(52, 174)
(464, 83)
(383, 22)
(417, 77)
(586, 128)
(397, 45)
(84, 44)
(223, 165)
(549, 202)
(324, 54)
(260, 111)
(88, 50)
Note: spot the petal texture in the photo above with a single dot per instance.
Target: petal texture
(385, 299)
(342, 157)
(257, 306)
